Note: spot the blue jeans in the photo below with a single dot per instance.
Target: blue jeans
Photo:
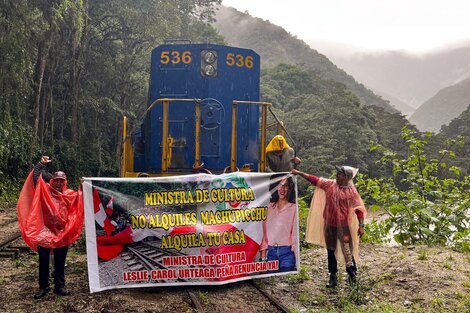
(284, 255)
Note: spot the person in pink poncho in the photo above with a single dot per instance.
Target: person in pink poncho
(50, 217)
(336, 220)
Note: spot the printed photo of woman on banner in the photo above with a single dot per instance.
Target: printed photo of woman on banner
(280, 240)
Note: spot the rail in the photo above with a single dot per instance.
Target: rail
(233, 154)
(127, 154)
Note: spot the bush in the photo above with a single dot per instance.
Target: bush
(426, 201)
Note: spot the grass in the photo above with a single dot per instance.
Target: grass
(463, 301)
(300, 277)
(304, 298)
(437, 302)
(202, 295)
(374, 307)
(358, 291)
(21, 261)
(423, 255)
(383, 278)
(365, 295)
(467, 257)
(447, 265)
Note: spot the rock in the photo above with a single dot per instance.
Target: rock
(407, 303)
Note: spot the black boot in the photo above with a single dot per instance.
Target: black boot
(333, 281)
(42, 293)
(62, 291)
(351, 270)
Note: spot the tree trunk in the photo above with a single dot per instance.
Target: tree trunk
(78, 46)
(41, 62)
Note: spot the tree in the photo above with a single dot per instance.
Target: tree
(420, 206)
(71, 68)
(326, 121)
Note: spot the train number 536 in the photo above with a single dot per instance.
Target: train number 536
(239, 60)
(175, 57)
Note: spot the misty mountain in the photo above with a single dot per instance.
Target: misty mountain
(411, 78)
(276, 45)
(446, 105)
(401, 106)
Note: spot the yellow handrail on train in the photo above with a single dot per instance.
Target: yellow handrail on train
(233, 153)
(127, 158)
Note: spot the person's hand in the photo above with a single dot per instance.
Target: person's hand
(360, 231)
(295, 172)
(45, 159)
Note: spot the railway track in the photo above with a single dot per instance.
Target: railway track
(245, 296)
(8, 250)
(10, 246)
(148, 256)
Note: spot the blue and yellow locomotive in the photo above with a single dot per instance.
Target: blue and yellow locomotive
(204, 113)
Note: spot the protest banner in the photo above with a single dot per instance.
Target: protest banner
(190, 230)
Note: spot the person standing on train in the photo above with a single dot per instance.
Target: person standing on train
(336, 219)
(279, 156)
(51, 218)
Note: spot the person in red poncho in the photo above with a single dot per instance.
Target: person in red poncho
(336, 220)
(50, 217)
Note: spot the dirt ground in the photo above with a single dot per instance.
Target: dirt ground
(391, 279)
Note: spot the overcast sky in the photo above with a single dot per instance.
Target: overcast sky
(411, 25)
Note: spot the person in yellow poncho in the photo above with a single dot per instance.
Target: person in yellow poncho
(279, 156)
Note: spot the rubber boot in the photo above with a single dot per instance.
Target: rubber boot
(333, 281)
(351, 270)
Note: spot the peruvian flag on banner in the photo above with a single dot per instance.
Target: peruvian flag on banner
(109, 246)
(102, 215)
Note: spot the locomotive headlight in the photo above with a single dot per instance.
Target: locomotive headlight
(209, 57)
(209, 63)
(209, 70)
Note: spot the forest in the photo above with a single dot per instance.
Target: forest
(70, 69)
